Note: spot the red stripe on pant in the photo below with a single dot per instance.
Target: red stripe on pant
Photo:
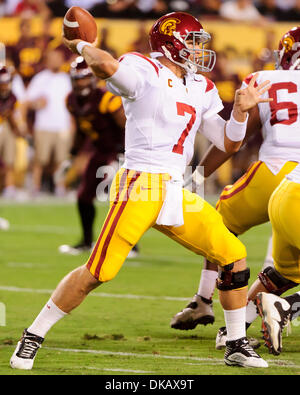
(121, 188)
(114, 224)
(241, 187)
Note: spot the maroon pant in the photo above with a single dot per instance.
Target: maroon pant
(89, 183)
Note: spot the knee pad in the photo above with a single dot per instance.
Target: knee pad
(274, 282)
(229, 280)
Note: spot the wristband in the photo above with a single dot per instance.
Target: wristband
(81, 45)
(235, 130)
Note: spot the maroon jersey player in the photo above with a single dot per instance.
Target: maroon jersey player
(9, 129)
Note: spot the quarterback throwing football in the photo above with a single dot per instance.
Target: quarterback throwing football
(166, 103)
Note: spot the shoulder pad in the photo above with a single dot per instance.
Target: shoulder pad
(140, 56)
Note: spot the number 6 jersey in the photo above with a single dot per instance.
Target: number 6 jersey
(163, 113)
(280, 118)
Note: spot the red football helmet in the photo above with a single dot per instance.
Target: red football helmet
(288, 53)
(181, 38)
(5, 81)
(83, 80)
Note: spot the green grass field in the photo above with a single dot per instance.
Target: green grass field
(122, 328)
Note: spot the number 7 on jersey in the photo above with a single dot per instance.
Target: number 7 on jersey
(182, 109)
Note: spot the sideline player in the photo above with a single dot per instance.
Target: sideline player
(9, 126)
(99, 116)
(245, 204)
(165, 102)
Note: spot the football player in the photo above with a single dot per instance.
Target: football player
(276, 312)
(98, 116)
(166, 102)
(10, 127)
(245, 204)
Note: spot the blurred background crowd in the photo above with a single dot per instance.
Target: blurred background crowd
(279, 10)
(35, 148)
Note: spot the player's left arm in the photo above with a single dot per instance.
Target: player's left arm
(215, 157)
(245, 100)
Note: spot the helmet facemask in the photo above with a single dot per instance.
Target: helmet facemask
(288, 55)
(83, 80)
(192, 50)
(83, 86)
(278, 57)
(295, 60)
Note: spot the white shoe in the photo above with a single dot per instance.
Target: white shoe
(196, 312)
(275, 313)
(221, 340)
(240, 353)
(75, 250)
(25, 352)
(134, 253)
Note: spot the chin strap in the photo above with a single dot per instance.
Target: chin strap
(190, 68)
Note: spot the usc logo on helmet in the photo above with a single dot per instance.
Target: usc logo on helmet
(169, 26)
(288, 43)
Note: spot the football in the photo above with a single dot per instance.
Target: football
(79, 24)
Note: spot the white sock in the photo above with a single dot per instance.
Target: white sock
(235, 323)
(207, 283)
(251, 312)
(48, 316)
(269, 261)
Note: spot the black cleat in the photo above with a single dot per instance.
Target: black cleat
(25, 352)
(196, 312)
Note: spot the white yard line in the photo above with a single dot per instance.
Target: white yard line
(25, 290)
(96, 294)
(198, 361)
(134, 355)
(114, 370)
(43, 229)
(53, 229)
(201, 361)
(24, 264)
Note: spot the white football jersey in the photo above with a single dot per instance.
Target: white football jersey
(280, 118)
(163, 115)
